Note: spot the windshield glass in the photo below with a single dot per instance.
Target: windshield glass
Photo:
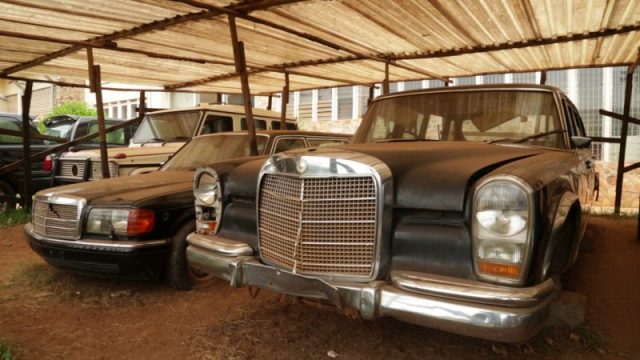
(206, 150)
(177, 126)
(488, 116)
(59, 129)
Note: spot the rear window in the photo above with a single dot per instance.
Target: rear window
(175, 126)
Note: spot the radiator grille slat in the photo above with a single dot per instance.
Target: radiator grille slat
(324, 225)
(55, 220)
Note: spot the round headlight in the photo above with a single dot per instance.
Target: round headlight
(502, 208)
(206, 189)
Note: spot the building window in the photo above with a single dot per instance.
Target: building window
(467, 80)
(304, 106)
(524, 78)
(324, 104)
(413, 85)
(494, 79)
(345, 102)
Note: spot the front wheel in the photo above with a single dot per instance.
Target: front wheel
(179, 274)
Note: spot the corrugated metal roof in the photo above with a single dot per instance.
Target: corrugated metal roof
(186, 44)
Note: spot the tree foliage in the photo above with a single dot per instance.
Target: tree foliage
(72, 108)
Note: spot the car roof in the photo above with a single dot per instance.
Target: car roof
(529, 87)
(282, 133)
(232, 109)
(16, 116)
(82, 119)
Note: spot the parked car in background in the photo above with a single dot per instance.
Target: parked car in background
(71, 127)
(454, 208)
(11, 149)
(160, 135)
(136, 226)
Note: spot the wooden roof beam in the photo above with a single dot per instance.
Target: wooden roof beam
(304, 35)
(148, 27)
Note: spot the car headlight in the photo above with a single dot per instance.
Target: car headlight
(502, 227)
(120, 221)
(208, 193)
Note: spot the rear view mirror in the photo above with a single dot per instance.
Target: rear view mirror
(580, 142)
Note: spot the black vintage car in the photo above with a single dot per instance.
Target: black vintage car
(453, 208)
(11, 149)
(136, 226)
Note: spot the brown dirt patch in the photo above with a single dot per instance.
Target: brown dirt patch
(46, 313)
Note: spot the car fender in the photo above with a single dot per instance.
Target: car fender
(563, 213)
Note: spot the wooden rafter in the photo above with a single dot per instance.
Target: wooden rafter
(145, 28)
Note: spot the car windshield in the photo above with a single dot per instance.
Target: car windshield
(208, 149)
(166, 127)
(59, 129)
(488, 116)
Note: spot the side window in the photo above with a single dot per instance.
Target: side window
(288, 144)
(82, 130)
(275, 125)
(292, 126)
(569, 114)
(216, 124)
(317, 142)
(260, 124)
(9, 124)
(578, 121)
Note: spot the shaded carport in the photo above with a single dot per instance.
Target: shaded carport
(265, 47)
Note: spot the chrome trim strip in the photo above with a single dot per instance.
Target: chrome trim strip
(105, 244)
(473, 291)
(220, 245)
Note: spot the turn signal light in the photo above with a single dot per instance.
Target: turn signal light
(507, 270)
(140, 221)
(207, 227)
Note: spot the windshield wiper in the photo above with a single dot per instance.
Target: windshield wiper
(152, 140)
(527, 138)
(177, 138)
(402, 140)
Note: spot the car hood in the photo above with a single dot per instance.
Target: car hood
(129, 190)
(94, 154)
(435, 175)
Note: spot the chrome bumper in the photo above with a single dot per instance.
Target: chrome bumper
(91, 244)
(465, 307)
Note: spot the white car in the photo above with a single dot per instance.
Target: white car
(159, 135)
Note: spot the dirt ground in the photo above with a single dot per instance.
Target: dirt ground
(50, 314)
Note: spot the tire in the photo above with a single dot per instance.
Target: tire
(10, 202)
(179, 274)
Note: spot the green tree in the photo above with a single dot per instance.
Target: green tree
(72, 108)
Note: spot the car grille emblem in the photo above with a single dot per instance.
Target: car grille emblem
(74, 170)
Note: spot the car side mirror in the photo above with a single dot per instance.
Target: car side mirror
(580, 142)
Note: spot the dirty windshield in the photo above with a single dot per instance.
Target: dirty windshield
(167, 127)
(209, 149)
(492, 116)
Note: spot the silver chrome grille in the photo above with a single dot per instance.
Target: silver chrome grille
(69, 167)
(319, 225)
(55, 220)
(96, 170)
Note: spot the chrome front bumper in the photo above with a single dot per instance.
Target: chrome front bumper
(465, 307)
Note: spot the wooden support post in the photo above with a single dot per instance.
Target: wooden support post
(92, 79)
(104, 157)
(385, 83)
(370, 99)
(241, 68)
(623, 139)
(219, 98)
(269, 102)
(142, 105)
(543, 77)
(26, 143)
(285, 101)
